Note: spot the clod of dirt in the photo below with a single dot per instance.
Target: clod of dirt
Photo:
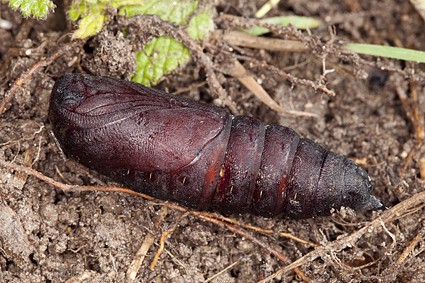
(14, 243)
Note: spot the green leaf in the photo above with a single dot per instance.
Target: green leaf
(90, 24)
(175, 11)
(92, 15)
(200, 25)
(297, 21)
(36, 8)
(388, 51)
(76, 10)
(160, 57)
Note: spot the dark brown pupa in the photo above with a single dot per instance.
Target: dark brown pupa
(200, 155)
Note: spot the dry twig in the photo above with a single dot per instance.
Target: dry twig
(201, 215)
(400, 210)
(31, 71)
(160, 28)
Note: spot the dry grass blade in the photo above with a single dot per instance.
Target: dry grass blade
(134, 267)
(415, 114)
(249, 82)
(408, 250)
(419, 6)
(230, 266)
(138, 258)
(266, 8)
(273, 44)
(422, 168)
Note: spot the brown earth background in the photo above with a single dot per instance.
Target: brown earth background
(376, 118)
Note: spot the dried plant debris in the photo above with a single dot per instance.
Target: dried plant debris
(63, 222)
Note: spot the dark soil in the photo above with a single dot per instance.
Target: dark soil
(51, 235)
